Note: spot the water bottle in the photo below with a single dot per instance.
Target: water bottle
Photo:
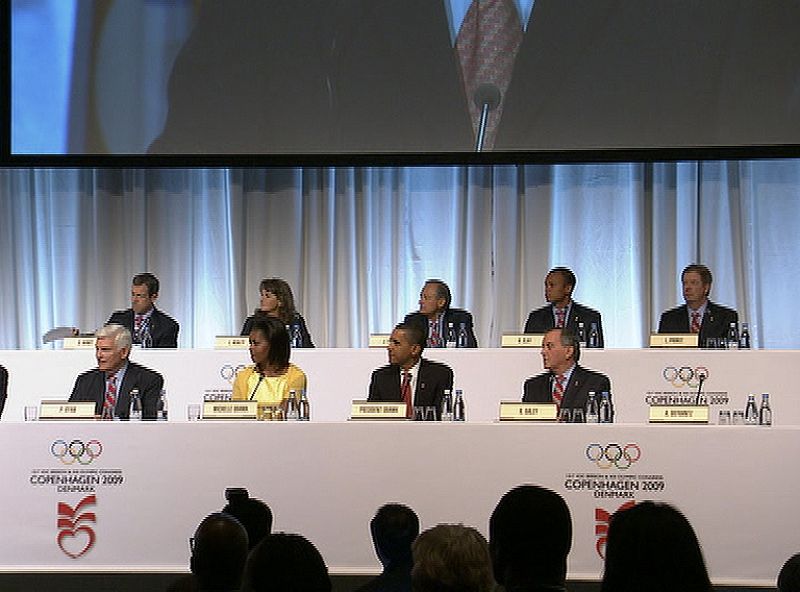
(305, 406)
(297, 338)
(765, 413)
(292, 412)
(733, 337)
(459, 411)
(447, 406)
(605, 408)
(744, 337)
(594, 337)
(451, 336)
(751, 412)
(462, 335)
(147, 338)
(582, 333)
(592, 410)
(135, 411)
(162, 406)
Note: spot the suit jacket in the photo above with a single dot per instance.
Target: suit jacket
(541, 320)
(3, 388)
(715, 323)
(91, 386)
(305, 336)
(451, 315)
(432, 380)
(163, 328)
(394, 578)
(538, 389)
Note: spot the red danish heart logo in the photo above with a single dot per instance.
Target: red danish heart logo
(76, 543)
(75, 539)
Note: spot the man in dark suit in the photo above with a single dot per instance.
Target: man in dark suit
(110, 384)
(394, 528)
(3, 388)
(409, 377)
(149, 326)
(563, 311)
(565, 383)
(436, 318)
(699, 314)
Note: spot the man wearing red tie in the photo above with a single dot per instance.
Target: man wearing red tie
(149, 326)
(566, 383)
(699, 314)
(409, 377)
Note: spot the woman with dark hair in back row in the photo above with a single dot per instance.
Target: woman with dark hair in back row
(277, 301)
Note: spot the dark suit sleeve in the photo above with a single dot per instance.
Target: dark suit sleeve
(530, 324)
(3, 388)
(537, 390)
(384, 385)
(165, 331)
(305, 336)
(248, 325)
(433, 379)
(120, 317)
(149, 384)
(458, 317)
(88, 387)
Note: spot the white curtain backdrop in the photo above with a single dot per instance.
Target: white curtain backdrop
(356, 244)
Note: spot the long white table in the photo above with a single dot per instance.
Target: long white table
(153, 482)
(337, 376)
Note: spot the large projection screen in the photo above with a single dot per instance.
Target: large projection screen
(339, 77)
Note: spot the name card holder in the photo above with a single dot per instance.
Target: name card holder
(674, 340)
(516, 411)
(379, 340)
(231, 342)
(368, 410)
(67, 410)
(679, 414)
(79, 342)
(522, 340)
(230, 410)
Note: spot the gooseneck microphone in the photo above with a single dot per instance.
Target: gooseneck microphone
(487, 98)
(702, 378)
(258, 384)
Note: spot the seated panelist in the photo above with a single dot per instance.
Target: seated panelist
(277, 302)
(435, 316)
(149, 327)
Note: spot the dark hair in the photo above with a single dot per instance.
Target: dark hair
(255, 516)
(219, 552)
(147, 279)
(567, 275)
(705, 273)
(442, 291)
(416, 335)
(652, 547)
(789, 577)
(530, 536)
(451, 558)
(285, 563)
(283, 293)
(277, 336)
(394, 527)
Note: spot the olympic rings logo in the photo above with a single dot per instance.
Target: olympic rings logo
(76, 451)
(229, 372)
(685, 375)
(613, 454)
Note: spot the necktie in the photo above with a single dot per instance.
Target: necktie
(558, 390)
(695, 326)
(561, 314)
(434, 339)
(405, 393)
(137, 327)
(487, 45)
(111, 396)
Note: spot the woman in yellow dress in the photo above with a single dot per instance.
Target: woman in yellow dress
(271, 376)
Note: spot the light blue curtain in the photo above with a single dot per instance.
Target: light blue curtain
(356, 244)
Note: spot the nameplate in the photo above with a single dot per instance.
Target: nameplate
(679, 414)
(379, 340)
(79, 342)
(67, 410)
(522, 340)
(230, 409)
(516, 411)
(370, 410)
(674, 340)
(232, 342)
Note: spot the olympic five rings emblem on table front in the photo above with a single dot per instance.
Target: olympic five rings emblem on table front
(684, 376)
(76, 451)
(613, 454)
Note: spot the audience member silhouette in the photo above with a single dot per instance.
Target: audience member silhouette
(530, 536)
(285, 563)
(789, 577)
(451, 558)
(394, 528)
(219, 551)
(652, 547)
(255, 515)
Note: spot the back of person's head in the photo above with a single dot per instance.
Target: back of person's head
(219, 552)
(789, 577)
(254, 515)
(285, 563)
(530, 536)
(651, 546)
(394, 528)
(451, 558)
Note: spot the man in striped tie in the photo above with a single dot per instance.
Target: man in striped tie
(566, 383)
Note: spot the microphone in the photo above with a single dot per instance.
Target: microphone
(258, 384)
(487, 98)
(701, 375)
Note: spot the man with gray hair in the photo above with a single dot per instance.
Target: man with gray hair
(110, 384)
